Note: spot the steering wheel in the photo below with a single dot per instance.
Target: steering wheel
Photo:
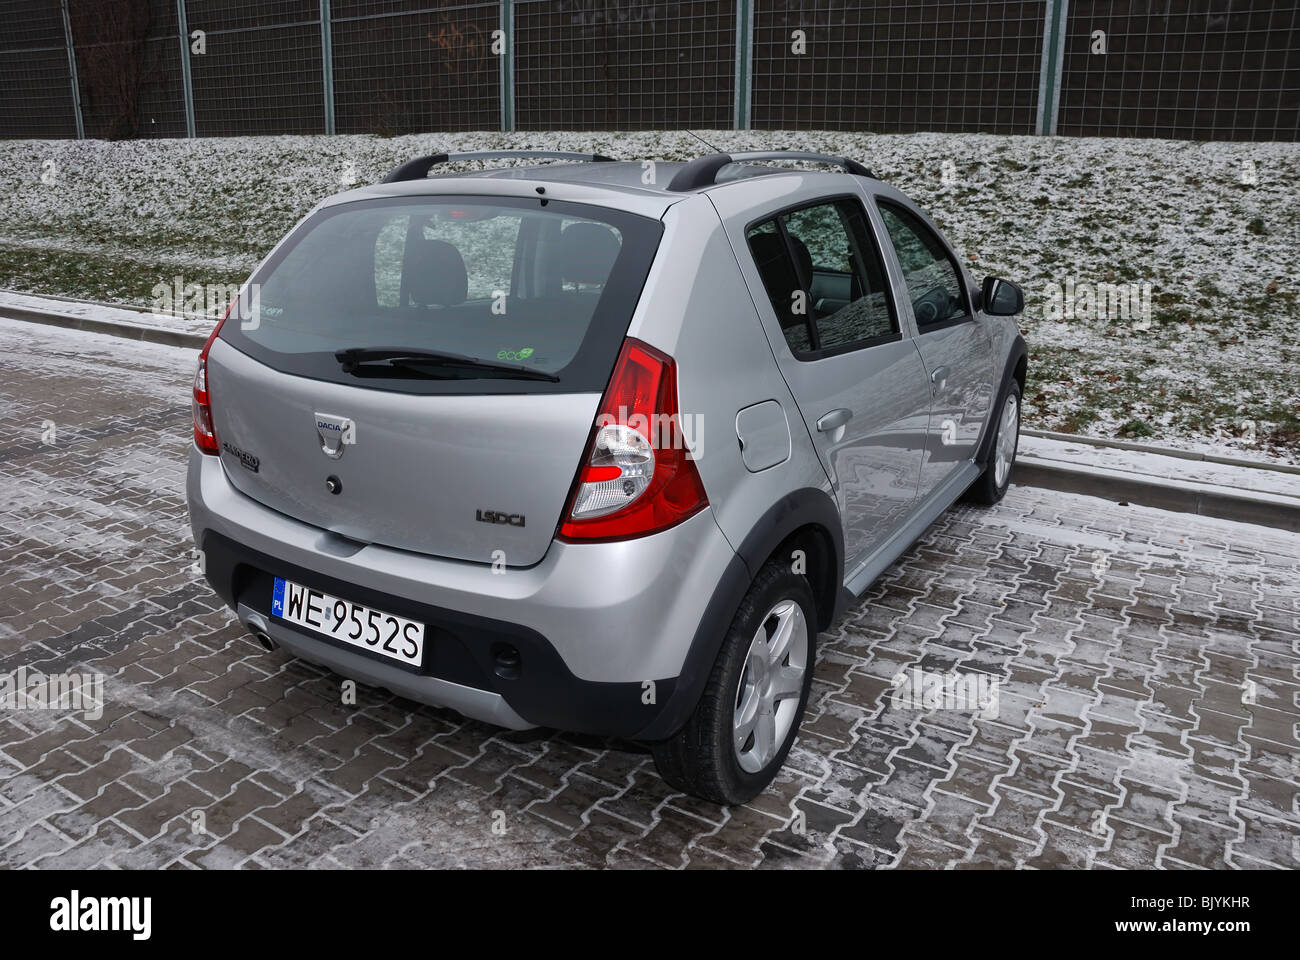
(932, 306)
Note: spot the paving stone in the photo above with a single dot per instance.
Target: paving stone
(1127, 735)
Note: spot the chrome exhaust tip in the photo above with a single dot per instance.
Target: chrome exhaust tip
(257, 626)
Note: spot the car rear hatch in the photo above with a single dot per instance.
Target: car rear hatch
(424, 372)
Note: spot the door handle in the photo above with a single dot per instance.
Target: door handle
(834, 420)
(938, 379)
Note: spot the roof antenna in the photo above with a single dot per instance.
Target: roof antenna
(703, 141)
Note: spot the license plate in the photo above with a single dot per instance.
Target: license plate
(383, 633)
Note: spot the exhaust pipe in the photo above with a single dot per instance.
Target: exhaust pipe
(257, 626)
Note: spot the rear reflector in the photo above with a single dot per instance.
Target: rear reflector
(637, 476)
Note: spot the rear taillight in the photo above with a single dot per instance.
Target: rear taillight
(205, 436)
(636, 476)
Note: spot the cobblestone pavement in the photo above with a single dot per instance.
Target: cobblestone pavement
(1147, 714)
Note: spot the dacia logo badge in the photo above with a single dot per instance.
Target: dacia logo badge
(335, 433)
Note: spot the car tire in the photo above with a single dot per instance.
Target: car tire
(993, 482)
(738, 736)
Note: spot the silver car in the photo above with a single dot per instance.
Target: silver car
(597, 445)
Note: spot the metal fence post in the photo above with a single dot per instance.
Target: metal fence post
(1049, 79)
(187, 83)
(508, 66)
(72, 70)
(327, 64)
(744, 62)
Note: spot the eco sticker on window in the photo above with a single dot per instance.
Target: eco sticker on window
(523, 354)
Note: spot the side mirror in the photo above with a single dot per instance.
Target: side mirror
(1002, 298)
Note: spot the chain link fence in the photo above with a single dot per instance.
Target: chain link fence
(260, 70)
(35, 80)
(896, 67)
(618, 65)
(1197, 70)
(1189, 69)
(402, 68)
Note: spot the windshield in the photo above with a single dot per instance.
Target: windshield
(543, 285)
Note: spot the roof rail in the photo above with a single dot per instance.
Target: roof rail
(703, 171)
(418, 168)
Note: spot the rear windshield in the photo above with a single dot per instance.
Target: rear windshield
(545, 285)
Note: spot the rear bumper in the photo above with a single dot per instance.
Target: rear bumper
(472, 701)
(611, 637)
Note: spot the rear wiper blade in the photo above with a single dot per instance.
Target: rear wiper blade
(353, 357)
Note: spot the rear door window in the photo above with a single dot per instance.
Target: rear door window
(548, 286)
(824, 278)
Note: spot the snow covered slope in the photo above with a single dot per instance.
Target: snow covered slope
(1213, 364)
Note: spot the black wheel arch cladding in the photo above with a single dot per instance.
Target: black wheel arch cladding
(806, 508)
(1018, 355)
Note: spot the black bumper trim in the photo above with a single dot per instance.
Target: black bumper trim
(463, 648)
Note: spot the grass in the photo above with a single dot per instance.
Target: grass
(1136, 430)
(112, 278)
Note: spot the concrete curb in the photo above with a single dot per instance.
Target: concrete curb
(171, 338)
(1162, 451)
(1181, 496)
